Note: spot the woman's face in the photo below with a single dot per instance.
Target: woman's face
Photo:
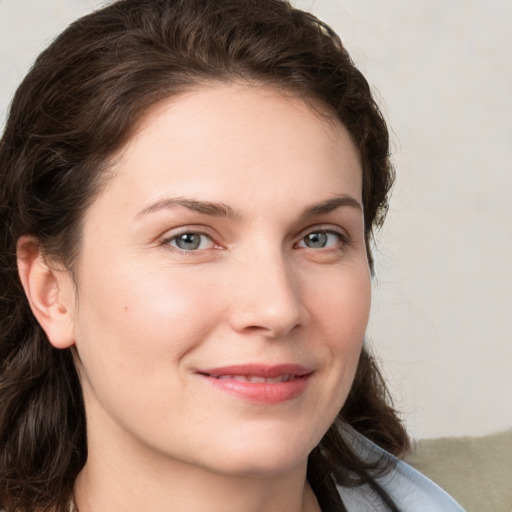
(223, 288)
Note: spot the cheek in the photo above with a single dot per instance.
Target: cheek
(134, 338)
(342, 311)
(139, 318)
(342, 304)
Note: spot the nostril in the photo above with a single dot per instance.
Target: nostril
(271, 331)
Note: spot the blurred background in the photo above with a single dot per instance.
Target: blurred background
(442, 311)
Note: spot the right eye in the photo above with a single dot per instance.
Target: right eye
(190, 241)
(321, 239)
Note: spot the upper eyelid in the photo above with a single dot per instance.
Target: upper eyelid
(328, 228)
(198, 230)
(177, 235)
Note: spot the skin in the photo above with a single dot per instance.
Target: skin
(145, 315)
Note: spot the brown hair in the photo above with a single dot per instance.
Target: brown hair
(80, 103)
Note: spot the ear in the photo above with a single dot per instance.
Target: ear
(50, 292)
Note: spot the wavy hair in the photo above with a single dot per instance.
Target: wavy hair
(78, 105)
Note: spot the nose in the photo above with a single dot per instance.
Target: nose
(266, 299)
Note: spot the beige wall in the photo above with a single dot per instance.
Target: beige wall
(442, 315)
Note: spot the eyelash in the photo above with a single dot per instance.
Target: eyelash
(343, 240)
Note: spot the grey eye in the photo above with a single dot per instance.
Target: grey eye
(191, 241)
(320, 240)
(316, 240)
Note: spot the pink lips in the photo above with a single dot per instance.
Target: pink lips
(260, 383)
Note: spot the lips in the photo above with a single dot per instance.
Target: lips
(260, 383)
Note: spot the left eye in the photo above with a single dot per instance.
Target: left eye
(320, 240)
(191, 241)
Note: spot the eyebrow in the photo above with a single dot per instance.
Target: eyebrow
(330, 205)
(223, 210)
(205, 207)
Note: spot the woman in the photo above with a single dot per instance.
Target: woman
(189, 189)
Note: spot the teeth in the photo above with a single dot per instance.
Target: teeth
(257, 380)
(281, 378)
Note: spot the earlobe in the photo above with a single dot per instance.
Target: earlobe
(48, 291)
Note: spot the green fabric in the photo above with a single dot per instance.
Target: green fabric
(476, 471)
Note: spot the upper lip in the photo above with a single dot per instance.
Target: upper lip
(258, 370)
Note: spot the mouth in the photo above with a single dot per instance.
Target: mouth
(260, 383)
(256, 379)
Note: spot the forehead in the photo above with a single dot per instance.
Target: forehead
(232, 143)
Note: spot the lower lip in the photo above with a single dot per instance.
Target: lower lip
(262, 392)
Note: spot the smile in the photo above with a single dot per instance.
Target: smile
(260, 383)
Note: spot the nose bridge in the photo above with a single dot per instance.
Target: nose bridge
(267, 298)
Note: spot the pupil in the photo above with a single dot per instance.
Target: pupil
(316, 240)
(188, 241)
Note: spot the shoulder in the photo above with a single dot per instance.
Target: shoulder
(409, 489)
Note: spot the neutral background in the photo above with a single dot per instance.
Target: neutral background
(442, 312)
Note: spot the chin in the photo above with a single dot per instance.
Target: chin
(262, 467)
(266, 455)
